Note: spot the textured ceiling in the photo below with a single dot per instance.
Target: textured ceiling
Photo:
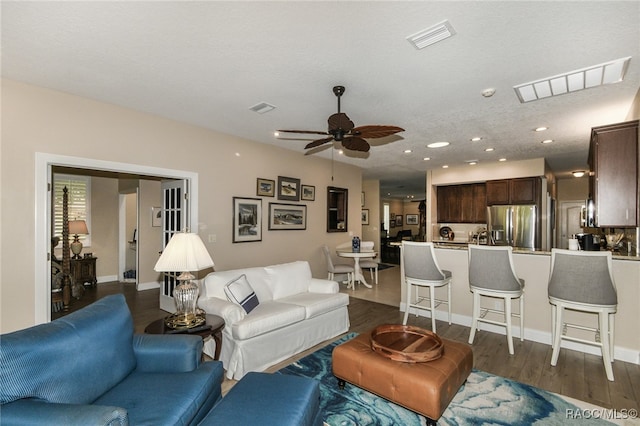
(207, 63)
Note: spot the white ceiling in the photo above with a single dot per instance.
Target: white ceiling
(207, 63)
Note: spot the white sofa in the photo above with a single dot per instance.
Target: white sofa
(295, 312)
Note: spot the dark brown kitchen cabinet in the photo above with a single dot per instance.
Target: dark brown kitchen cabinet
(613, 159)
(514, 191)
(461, 203)
(480, 203)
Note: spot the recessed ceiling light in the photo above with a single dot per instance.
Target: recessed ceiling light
(340, 152)
(426, 158)
(407, 151)
(578, 173)
(547, 141)
(502, 159)
(445, 166)
(488, 149)
(472, 163)
(572, 81)
(276, 134)
(438, 144)
(540, 129)
(476, 139)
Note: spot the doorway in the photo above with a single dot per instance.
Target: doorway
(128, 237)
(570, 212)
(44, 165)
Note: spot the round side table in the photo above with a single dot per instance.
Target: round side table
(215, 322)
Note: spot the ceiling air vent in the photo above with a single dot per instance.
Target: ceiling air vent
(432, 35)
(262, 107)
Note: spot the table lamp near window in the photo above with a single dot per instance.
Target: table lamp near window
(77, 228)
(184, 253)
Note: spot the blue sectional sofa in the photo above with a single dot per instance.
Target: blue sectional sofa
(89, 368)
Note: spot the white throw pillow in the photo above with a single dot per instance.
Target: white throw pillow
(239, 291)
(289, 278)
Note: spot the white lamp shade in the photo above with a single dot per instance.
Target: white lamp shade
(184, 253)
(77, 227)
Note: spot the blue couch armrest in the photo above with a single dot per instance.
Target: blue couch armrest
(32, 412)
(164, 353)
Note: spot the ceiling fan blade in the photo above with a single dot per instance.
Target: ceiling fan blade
(340, 121)
(313, 132)
(318, 142)
(373, 131)
(356, 144)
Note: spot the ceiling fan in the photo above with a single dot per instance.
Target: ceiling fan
(342, 129)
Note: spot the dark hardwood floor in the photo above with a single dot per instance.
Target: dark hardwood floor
(577, 375)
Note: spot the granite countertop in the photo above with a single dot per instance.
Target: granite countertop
(459, 245)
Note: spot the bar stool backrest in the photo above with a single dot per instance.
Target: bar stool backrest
(584, 277)
(491, 267)
(420, 261)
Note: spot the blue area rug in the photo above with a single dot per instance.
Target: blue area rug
(485, 399)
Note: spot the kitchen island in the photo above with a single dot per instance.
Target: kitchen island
(534, 267)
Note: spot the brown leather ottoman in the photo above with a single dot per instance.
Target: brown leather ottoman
(426, 387)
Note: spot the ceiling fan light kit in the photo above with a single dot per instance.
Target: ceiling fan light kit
(342, 129)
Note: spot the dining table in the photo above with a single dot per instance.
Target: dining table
(356, 256)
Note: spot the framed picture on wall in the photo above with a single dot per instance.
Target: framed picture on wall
(265, 187)
(247, 219)
(287, 216)
(365, 216)
(308, 193)
(398, 220)
(412, 219)
(288, 188)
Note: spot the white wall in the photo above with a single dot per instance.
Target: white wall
(46, 121)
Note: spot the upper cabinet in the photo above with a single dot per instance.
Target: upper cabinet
(613, 159)
(462, 203)
(514, 191)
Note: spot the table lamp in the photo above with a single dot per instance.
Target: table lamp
(77, 227)
(184, 253)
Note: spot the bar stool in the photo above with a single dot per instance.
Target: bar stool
(583, 281)
(491, 274)
(419, 268)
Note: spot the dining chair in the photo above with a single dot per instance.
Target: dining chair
(370, 264)
(338, 268)
(420, 268)
(492, 274)
(583, 281)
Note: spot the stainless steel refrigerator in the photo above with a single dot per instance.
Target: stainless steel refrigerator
(513, 226)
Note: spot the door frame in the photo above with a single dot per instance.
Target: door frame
(42, 235)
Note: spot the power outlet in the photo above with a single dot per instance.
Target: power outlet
(213, 238)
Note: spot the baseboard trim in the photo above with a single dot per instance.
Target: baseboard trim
(620, 353)
(147, 286)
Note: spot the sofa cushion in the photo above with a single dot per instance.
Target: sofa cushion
(214, 282)
(35, 359)
(267, 316)
(289, 278)
(316, 303)
(167, 399)
(239, 291)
